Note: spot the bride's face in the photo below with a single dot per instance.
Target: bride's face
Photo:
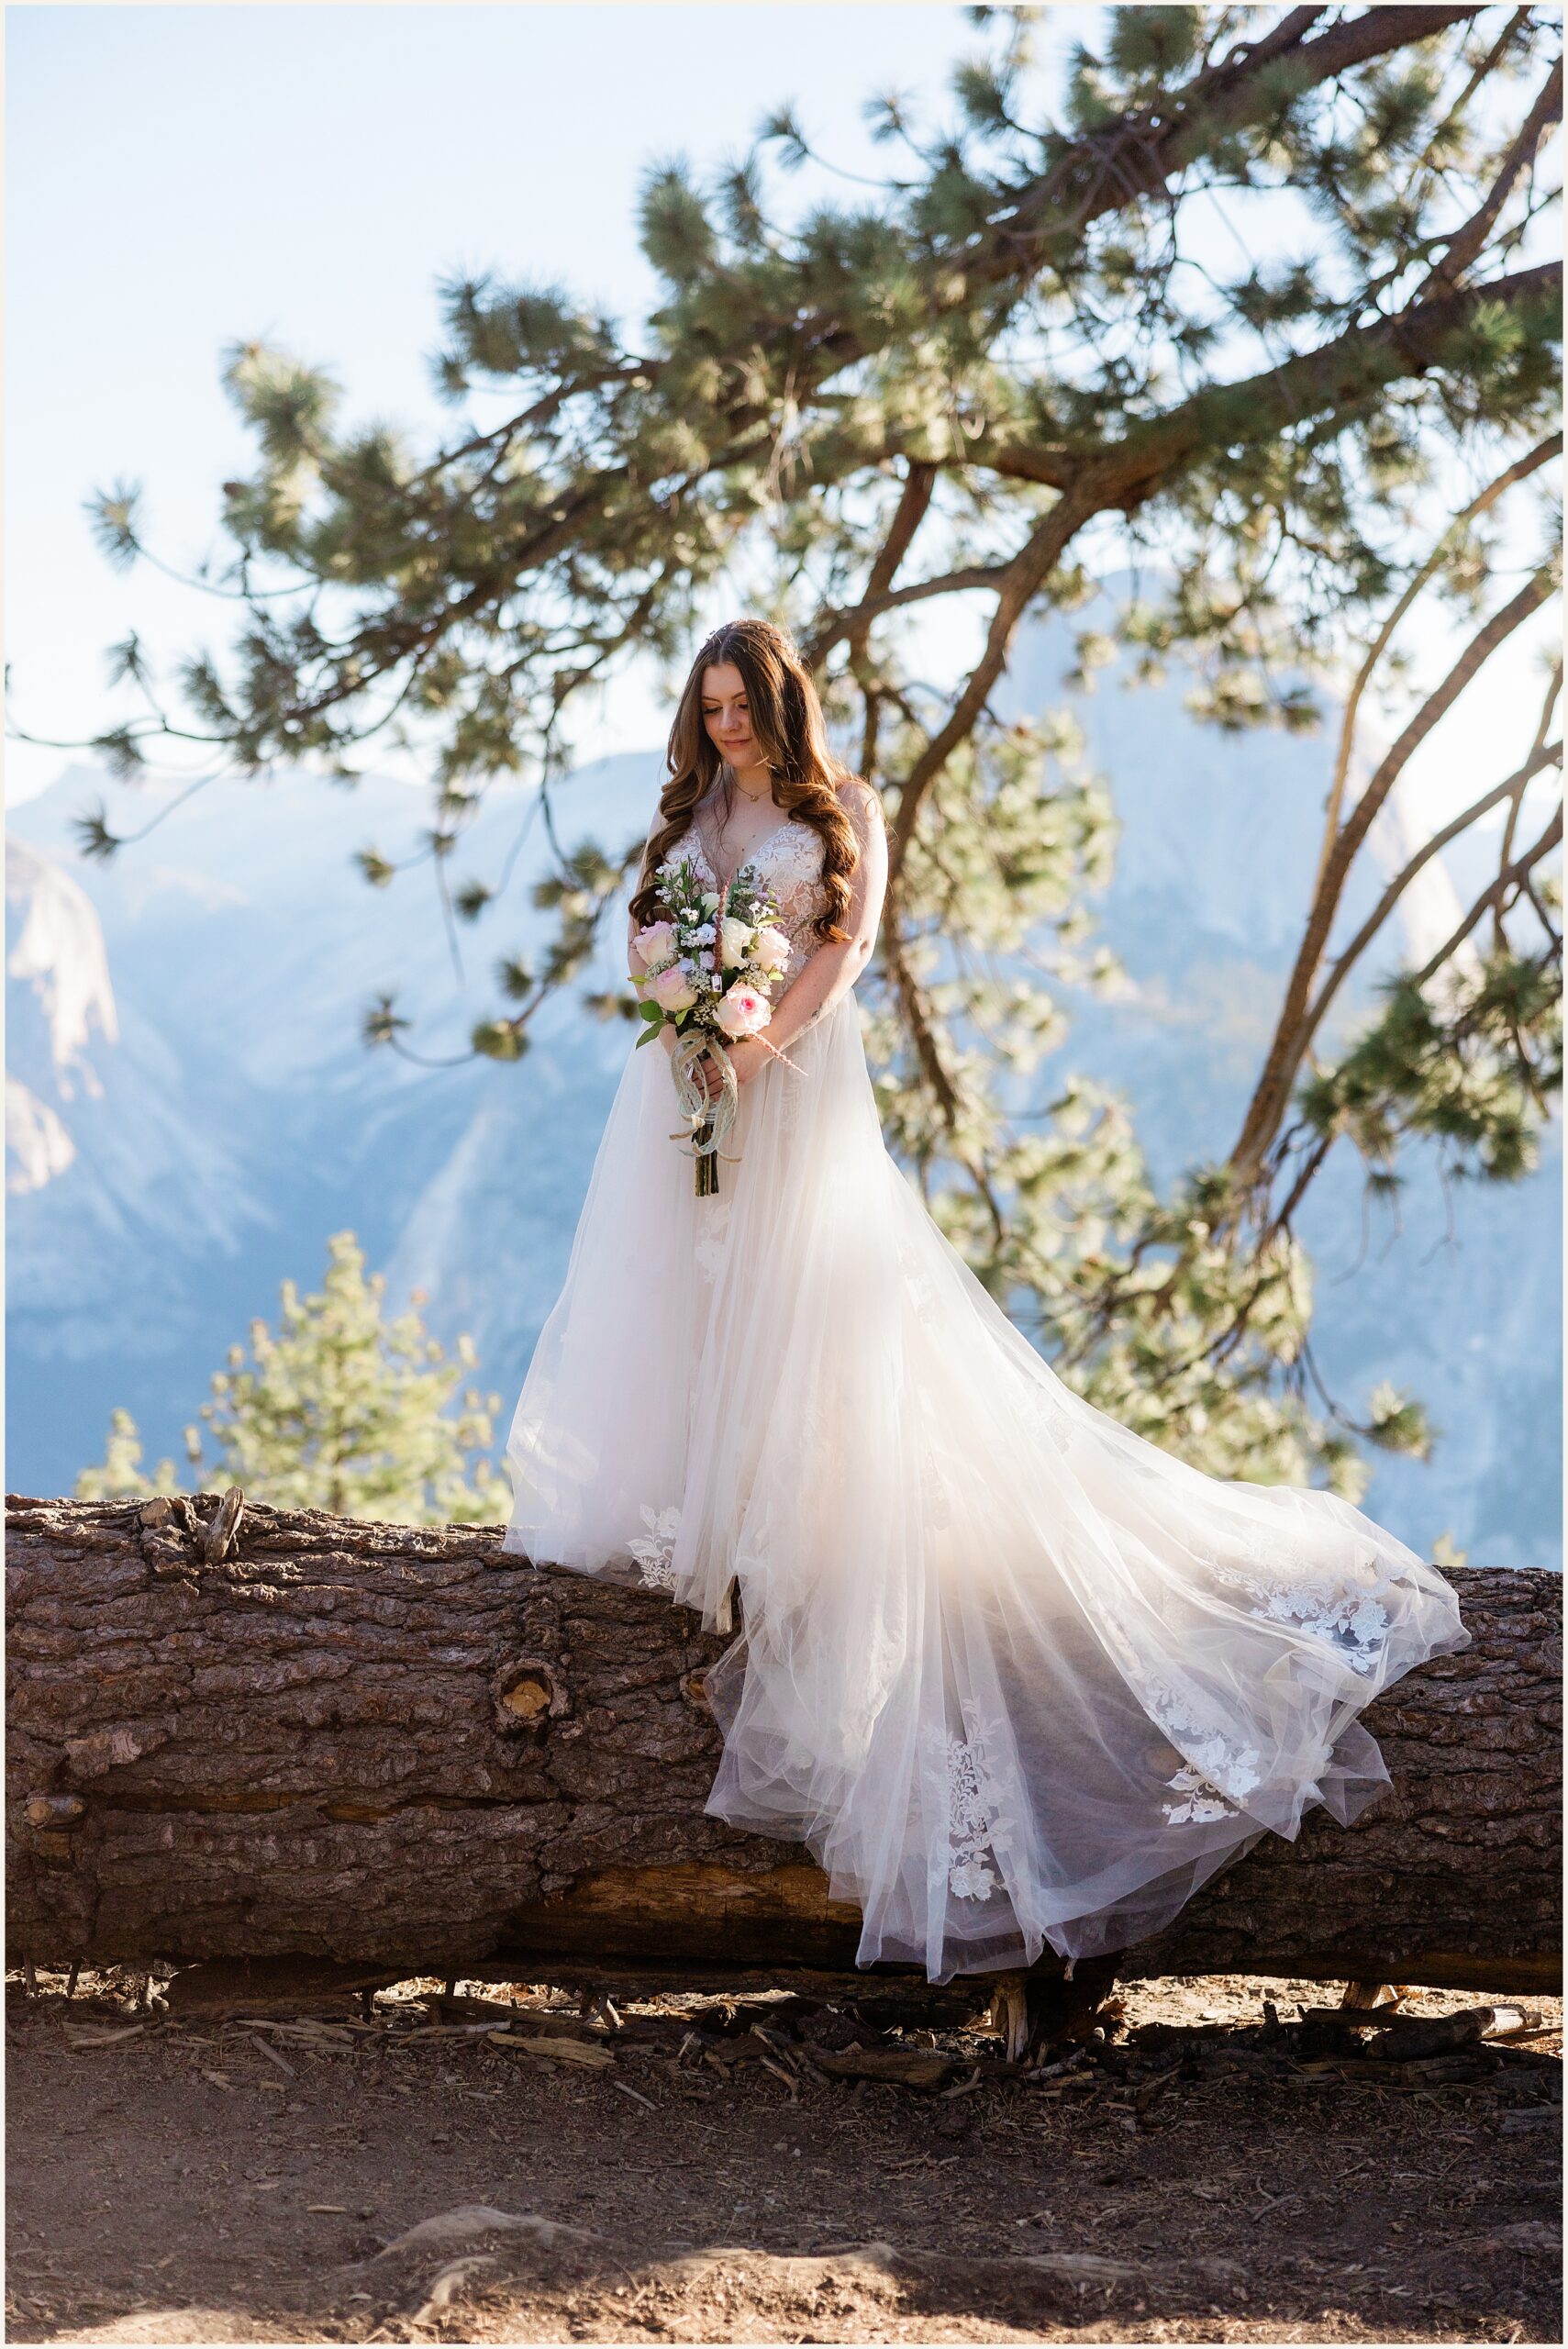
(725, 714)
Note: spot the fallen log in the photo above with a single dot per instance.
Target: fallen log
(241, 1733)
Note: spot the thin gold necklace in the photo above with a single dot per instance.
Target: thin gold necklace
(754, 799)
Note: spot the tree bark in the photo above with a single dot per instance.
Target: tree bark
(400, 1747)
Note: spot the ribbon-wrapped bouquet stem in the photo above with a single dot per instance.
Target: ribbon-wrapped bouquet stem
(707, 966)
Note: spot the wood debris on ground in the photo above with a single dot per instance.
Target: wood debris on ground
(1224, 2158)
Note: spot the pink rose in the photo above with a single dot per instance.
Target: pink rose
(770, 949)
(655, 944)
(671, 990)
(742, 1011)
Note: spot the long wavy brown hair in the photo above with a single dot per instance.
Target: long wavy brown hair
(788, 728)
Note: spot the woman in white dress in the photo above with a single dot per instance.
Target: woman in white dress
(1014, 1675)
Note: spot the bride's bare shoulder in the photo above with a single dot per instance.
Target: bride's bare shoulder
(860, 802)
(661, 823)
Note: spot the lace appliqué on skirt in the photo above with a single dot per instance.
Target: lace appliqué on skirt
(975, 1826)
(1199, 1800)
(1351, 1621)
(1221, 1772)
(654, 1551)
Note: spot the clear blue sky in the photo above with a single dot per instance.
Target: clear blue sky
(182, 178)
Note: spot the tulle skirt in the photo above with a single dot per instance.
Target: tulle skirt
(1014, 1675)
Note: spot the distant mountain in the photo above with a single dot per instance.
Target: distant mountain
(117, 1171)
(192, 1112)
(55, 952)
(186, 1139)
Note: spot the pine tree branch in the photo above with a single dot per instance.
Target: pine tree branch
(1543, 755)
(1526, 465)
(911, 1004)
(1023, 577)
(1487, 66)
(1543, 726)
(1332, 381)
(1470, 239)
(1139, 153)
(1335, 377)
(1287, 1049)
(928, 1059)
(1288, 34)
(913, 505)
(1136, 155)
(1307, 1173)
(1513, 876)
(854, 620)
(1133, 156)
(1339, 374)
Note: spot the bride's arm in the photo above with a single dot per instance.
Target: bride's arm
(836, 965)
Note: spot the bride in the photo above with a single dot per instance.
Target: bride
(1013, 1674)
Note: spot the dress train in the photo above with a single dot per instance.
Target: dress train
(1014, 1675)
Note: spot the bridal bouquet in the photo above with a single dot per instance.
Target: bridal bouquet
(706, 969)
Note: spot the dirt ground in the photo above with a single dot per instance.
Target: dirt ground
(1200, 2170)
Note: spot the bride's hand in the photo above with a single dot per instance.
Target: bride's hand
(745, 1058)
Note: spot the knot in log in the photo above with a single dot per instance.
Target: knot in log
(528, 1692)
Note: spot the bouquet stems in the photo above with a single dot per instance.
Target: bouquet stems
(710, 1118)
(707, 1161)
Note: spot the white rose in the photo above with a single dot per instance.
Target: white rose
(737, 937)
(770, 949)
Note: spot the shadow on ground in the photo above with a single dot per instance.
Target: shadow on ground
(413, 2168)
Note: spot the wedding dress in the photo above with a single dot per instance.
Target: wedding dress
(1014, 1675)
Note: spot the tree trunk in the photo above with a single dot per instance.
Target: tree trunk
(398, 1746)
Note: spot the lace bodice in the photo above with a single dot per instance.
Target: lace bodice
(788, 864)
